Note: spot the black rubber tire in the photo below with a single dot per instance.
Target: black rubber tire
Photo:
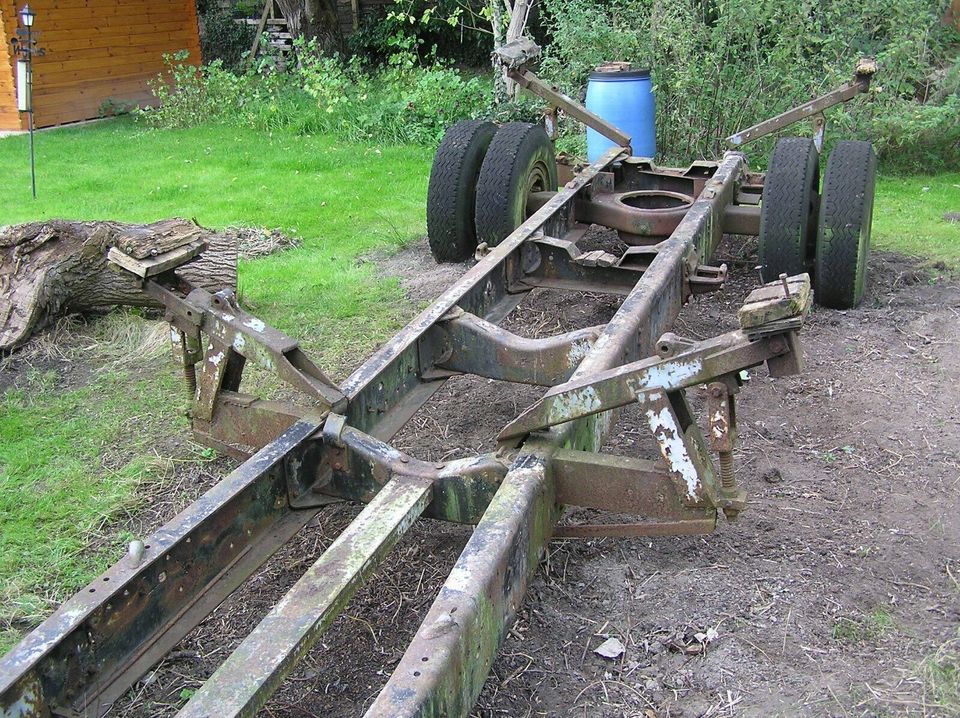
(520, 160)
(451, 196)
(788, 208)
(843, 230)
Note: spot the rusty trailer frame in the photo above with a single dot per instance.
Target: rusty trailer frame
(91, 650)
(301, 457)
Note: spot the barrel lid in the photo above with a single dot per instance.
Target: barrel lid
(615, 71)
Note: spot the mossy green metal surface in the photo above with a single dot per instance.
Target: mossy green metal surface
(245, 681)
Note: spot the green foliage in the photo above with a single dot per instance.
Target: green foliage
(719, 66)
(399, 104)
(941, 676)
(863, 628)
(424, 31)
(916, 137)
(188, 95)
(112, 107)
(223, 39)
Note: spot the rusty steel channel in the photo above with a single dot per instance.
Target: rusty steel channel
(302, 457)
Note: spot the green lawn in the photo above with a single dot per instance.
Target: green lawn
(72, 459)
(342, 200)
(908, 217)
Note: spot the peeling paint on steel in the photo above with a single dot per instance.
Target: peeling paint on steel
(664, 375)
(578, 350)
(670, 439)
(585, 399)
(719, 423)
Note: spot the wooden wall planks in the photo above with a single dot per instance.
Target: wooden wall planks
(96, 51)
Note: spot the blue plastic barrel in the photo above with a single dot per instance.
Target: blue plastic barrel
(624, 99)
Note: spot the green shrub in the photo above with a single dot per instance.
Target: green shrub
(449, 30)
(223, 39)
(723, 65)
(396, 105)
(189, 95)
(320, 94)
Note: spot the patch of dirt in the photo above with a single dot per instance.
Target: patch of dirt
(821, 600)
(604, 239)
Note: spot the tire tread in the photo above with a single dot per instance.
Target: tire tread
(785, 225)
(846, 211)
(499, 176)
(451, 194)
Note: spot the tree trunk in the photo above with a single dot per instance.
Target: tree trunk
(517, 13)
(314, 19)
(49, 269)
(515, 30)
(500, 94)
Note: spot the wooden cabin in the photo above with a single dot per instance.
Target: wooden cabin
(98, 52)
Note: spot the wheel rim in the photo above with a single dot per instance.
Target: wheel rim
(537, 181)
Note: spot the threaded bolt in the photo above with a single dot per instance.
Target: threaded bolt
(727, 479)
(190, 378)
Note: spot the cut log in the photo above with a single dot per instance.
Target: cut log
(50, 269)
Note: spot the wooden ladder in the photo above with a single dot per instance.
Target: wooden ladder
(275, 25)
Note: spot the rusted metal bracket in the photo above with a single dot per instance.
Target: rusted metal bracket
(627, 485)
(351, 464)
(212, 338)
(648, 380)
(860, 83)
(516, 55)
(233, 332)
(463, 343)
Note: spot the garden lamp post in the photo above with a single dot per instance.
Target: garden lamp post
(24, 48)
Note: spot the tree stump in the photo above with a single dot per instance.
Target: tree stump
(50, 269)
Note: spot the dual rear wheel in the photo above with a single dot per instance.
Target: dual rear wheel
(827, 235)
(481, 179)
(483, 176)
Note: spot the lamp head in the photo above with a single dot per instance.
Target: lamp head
(27, 15)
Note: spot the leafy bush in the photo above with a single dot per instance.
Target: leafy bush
(399, 104)
(223, 39)
(722, 65)
(449, 30)
(190, 95)
(320, 94)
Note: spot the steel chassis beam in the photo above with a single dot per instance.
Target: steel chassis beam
(815, 108)
(443, 670)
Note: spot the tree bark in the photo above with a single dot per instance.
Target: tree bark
(49, 269)
(314, 19)
(517, 14)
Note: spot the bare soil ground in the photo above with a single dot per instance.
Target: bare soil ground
(823, 599)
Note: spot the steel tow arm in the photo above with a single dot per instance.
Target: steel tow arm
(769, 321)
